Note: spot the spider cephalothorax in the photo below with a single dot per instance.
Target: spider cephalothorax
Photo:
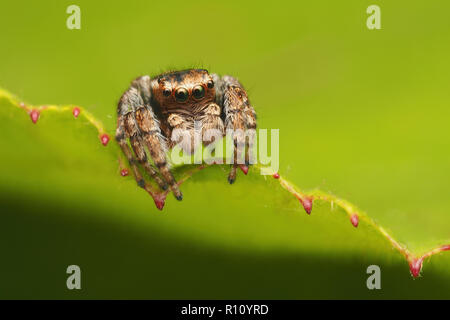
(152, 108)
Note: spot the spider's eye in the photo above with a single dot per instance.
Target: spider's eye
(167, 92)
(198, 92)
(181, 95)
(210, 84)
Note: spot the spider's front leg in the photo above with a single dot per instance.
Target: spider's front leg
(137, 122)
(240, 118)
(211, 121)
(127, 128)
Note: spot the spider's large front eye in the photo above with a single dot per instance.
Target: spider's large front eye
(167, 92)
(198, 92)
(181, 95)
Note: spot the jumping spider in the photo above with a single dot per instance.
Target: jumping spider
(152, 108)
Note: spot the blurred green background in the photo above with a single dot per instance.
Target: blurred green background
(363, 114)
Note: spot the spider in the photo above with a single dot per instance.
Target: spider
(152, 108)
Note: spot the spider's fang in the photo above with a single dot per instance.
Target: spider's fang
(124, 172)
(276, 175)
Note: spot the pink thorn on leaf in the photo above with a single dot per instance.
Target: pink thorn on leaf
(124, 172)
(354, 219)
(276, 175)
(307, 204)
(160, 200)
(244, 168)
(104, 138)
(34, 115)
(415, 266)
(76, 112)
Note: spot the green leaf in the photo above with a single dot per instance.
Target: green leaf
(64, 202)
(363, 115)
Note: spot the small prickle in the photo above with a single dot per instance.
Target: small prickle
(159, 201)
(104, 138)
(354, 219)
(276, 175)
(76, 112)
(244, 168)
(34, 115)
(415, 266)
(307, 204)
(159, 204)
(124, 172)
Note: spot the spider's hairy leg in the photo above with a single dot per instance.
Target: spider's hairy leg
(211, 121)
(156, 144)
(240, 117)
(134, 99)
(128, 128)
(121, 137)
(183, 132)
(141, 155)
